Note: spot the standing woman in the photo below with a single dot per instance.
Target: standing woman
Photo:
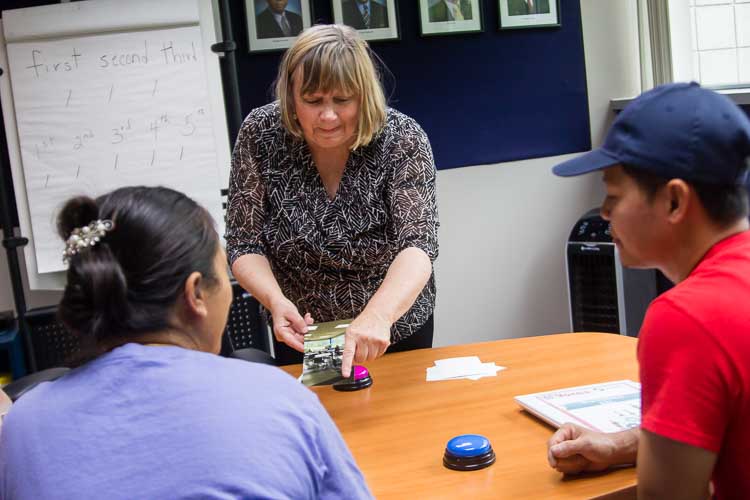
(332, 209)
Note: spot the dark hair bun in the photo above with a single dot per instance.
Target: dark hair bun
(77, 212)
(97, 288)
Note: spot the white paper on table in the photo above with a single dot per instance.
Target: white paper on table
(491, 370)
(466, 367)
(457, 367)
(480, 369)
(458, 362)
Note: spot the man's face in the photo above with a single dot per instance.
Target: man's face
(277, 6)
(637, 221)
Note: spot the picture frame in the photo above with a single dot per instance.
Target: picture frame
(520, 14)
(383, 23)
(441, 17)
(264, 27)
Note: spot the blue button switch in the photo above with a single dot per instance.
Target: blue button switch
(468, 445)
(468, 452)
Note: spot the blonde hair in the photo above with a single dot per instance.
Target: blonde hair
(333, 57)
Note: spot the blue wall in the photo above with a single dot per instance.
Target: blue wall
(482, 98)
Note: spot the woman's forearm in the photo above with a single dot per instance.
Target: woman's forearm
(254, 274)
(405, 279)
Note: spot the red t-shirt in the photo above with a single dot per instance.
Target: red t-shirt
(694, 357)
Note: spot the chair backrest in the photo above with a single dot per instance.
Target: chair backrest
(253, 355)
(55, 346)
(19, 387)
(246, 326)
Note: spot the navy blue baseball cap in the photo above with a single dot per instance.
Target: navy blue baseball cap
(679, 130)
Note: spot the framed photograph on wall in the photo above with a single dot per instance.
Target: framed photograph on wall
(274, 24)
(447, 17)
(374, 19)
(516, 14)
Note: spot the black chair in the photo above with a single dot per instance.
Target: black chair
(245, 325)
(253, 355)
(53, 345)
(19, 387)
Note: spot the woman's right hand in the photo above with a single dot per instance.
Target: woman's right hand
(289, 326)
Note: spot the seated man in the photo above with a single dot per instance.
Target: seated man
(155, 413)
(675, 166)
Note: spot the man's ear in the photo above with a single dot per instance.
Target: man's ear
(677, 197)
(195, 298)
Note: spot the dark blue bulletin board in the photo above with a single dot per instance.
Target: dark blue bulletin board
(482, 98)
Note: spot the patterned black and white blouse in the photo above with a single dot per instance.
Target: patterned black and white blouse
(330, 256)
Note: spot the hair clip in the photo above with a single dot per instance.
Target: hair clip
(84, 237)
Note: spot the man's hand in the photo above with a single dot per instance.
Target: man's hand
(573, 449)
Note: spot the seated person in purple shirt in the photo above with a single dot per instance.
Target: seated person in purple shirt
(155, 413)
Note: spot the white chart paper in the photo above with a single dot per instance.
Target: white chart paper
(98, 112)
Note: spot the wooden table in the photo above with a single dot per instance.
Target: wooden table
(397, 429)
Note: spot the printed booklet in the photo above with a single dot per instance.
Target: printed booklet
(606, 407)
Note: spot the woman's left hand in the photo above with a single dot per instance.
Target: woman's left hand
(367, 338)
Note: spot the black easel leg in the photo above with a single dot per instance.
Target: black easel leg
(11, 244)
